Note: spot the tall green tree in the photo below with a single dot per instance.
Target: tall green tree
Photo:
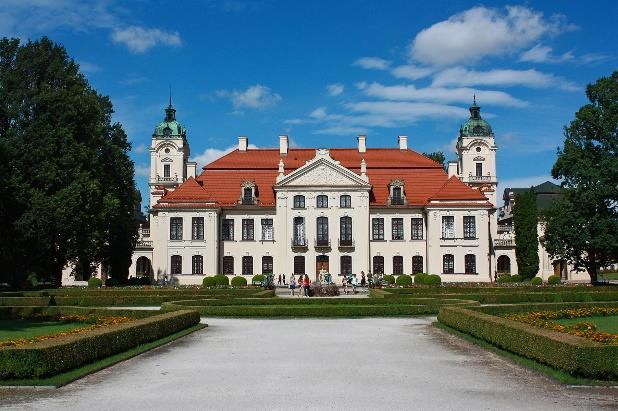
(525, 221)
(582, 227)
(438, 157)
(65, 178)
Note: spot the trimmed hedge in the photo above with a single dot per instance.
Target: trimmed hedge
(403, 280)
(553, 279)
(388, 279)
(420, 278)
(239, 281)
(536, 281)
(258, 278)
(50, 357)
(209, 282)
(574, 355)
(94, 282)
(221, 280)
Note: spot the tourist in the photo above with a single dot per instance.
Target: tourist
(301, 286)
(369, 278)
(279, 282)
(363, 282)
(283, 279)
(307, 284)
(345, 285)
(292, 284)
(354, 284)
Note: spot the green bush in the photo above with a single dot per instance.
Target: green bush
(536, 281)
(420, 278)
(94, 282)
(239, 281)
(504, 278)
(553, 279)
(209, 282)
(221, 280)
(388, 279)
(258, 278)
(404, 280)
(516, 278)
(433, 279)
(111, 282)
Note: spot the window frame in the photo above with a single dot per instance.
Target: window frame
(448, 264)
(345, 230)
(395, 229)
(268, 266)
(345, 265)
(417, 228)
(377, 226)
(470, 264)
(397, 265)
(247, 265)
(448, 233)
(197, 230)
(298, 260)
(176, 228)
(197, 264)
(416, 264)
(176, 264)
(167, 171)
(227, 265)
(380, 265)
(469, 227)
(479, 170)
(321, 201)
(321, 232)
(248, 229)
(345, 201)
(227, 234)
(266, 230)
(299, 201)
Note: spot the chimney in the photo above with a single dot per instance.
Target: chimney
(452, 168)
(191, 169)
(362, 146)
(243, 142)
(283, 145)
(403, 142)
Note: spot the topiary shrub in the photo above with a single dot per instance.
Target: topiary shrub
(404, 280)
(516, 278)
(536, 281)
(239, 281)
(504, 278)
(258, 279)
(209, 282)
(433, 279)
(94, 282)
(420, 278)
(554, 279)
(388, 279)
(221, 280)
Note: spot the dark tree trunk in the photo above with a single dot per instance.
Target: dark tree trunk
(592, 267)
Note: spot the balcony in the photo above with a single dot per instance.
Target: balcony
(346, 243)
(396, 200)
(322, 243)
(299, 242)
(144, 244)
(145, 232)
(505, 228)
(504, 242)
(247, 201)
(480, 179)
(167, 179)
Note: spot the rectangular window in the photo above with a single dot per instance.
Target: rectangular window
(469, 223)
(197, 264)
(397, 265)
(470, 262)
(267, 229)
(227, 229)
(417, 264)
(479, 169)
(417, 228)
(228, 265)
(176, 261)
(176, 228)
(397, 228)
(197, 228)
(267, 264)
(322, 231)
(397, 198)
(448, 226)
(299, 232)
(448, 264)
(166, 170)
(345, 201)
(345, 230)
(322, 201)
(247, 196)
(346, 264)
(378, 264)
(247, 229)
(299, 201)
(377, 228)
(299, 265)
(247, 265)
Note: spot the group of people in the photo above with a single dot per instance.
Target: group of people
(352, 281)
(281, 277)
(303, 285)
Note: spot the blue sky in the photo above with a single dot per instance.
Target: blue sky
(323, 72)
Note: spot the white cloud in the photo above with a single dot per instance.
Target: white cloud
(211, 154)
(411, 72)
(319, 113)
(335, 89)
(459, 76)
(441, 95)
(469, 36)
(372, 63)
(142, 170)
(543, 54)
(255, 97)
(141, 149)
(87, 67)
(139, 39)
(394, 111)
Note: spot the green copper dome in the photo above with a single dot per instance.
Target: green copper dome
(169, 126)
(475, 126)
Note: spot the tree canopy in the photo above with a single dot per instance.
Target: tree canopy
(582, 226)
(438, 157)
(67, 193)
(525, 221)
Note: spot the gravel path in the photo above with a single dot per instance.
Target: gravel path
(366, 363)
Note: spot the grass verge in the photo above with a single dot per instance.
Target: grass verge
(77, 373)
(553, 373)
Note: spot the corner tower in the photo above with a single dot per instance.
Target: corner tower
(169, 156)
(476, 154)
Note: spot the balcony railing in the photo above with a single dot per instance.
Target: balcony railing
(299, 242)
(502, 242)
(346, 243)
(505, 228)
(322, 242)
(396, 200)
(167, 179)
(146, 232)
(480, 178)
(248, 201)
(144, 244)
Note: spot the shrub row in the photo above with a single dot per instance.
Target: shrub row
(574, 355)
(427, 279)
(189, 291)
(503, 288)
(50, 357)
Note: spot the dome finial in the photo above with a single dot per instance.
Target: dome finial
(473, 99)
(170, 111)
(170, 94)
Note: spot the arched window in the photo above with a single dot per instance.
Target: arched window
(143, 268)
(176, 261)
(397, 265)
(247, 265)
(346, 264)
(504, 264)
(322, 231)
(345, 231)
(197, 264)
(228, 265)
(267, 264)
(417, 264)
(322, 201)
(448, 264)
(299, 201)
(345, 201)
(378, 264)
(470, 263)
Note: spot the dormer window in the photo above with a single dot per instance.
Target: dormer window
(396, 195)
(248, 194)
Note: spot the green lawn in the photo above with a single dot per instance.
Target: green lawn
(14, 329)
(608, 276)
(607, 324)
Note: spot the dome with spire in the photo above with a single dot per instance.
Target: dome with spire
(169, 126)
(475, 126)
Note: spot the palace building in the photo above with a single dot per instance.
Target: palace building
(297, 211)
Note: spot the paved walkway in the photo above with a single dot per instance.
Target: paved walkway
(367, 363)
(285, 292)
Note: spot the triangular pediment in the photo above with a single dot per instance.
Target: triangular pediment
(322, 171)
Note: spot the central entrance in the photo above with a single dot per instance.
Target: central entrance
(321, 263)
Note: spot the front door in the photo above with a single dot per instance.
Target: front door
(321, 263)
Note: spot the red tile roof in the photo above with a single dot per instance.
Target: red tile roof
(424, 179)
(189, 192)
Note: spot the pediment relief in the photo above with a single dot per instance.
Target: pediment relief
(167, 160)
(479, 158)
(322, 171)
